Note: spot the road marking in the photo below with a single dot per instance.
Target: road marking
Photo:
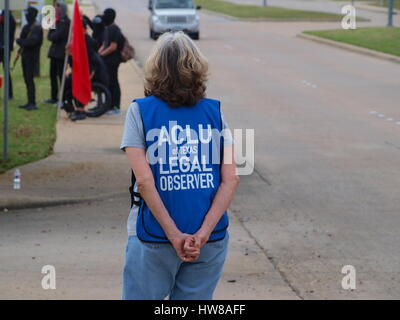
(383, 117)
(312, 85)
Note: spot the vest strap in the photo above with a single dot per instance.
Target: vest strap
(133, 193)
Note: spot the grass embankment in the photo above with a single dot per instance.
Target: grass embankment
(259, 12)
(383, 39)
(50, 2)
(31, 133)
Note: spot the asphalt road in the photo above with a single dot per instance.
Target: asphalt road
(325, 191)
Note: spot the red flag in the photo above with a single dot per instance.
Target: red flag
(81, 83)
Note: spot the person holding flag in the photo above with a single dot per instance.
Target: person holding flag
(80, 80)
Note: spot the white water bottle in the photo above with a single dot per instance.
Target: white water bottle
(17, 179)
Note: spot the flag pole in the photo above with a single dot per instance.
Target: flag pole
(62, 87)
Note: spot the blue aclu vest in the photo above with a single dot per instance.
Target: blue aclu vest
(184, 149)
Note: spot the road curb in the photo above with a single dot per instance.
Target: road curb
(350, 47)
(32, 202)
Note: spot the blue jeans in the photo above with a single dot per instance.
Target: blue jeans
(153, 271)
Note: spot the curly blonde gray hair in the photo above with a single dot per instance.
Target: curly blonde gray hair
(176, 70)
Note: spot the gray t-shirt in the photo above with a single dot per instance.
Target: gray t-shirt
(134, 137)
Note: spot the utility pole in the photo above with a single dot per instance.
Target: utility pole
(264, 3)
(390, 13)
(6, 62)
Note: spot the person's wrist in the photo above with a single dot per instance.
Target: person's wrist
(204, 234)
(173, 234)
(206, 229)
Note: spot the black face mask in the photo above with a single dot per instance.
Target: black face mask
(109, 17)
(30, 15)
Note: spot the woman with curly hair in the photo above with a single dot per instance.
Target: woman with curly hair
(183, 178)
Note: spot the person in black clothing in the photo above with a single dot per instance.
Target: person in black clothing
(79, 112)
(111, 52)
(86, 20)
(30, 41)
(11, 43)
(58, 38)
(98, 29)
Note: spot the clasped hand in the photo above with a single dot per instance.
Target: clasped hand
(188, 246)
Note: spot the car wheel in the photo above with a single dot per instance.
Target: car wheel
(151, 34)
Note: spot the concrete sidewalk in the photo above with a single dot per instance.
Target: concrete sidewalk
(87, 166)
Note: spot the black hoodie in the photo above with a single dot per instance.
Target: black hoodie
(59, 35)
(31, 37)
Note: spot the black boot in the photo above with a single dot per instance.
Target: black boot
(50, 101)
(78, 115)
(31, 107)
(24, 106)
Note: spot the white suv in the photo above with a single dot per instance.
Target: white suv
(173, 15)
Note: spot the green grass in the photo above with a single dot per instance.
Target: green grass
(383, 39)
(259, 12)
(31, 133)
(50, 2)
(17, 15)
